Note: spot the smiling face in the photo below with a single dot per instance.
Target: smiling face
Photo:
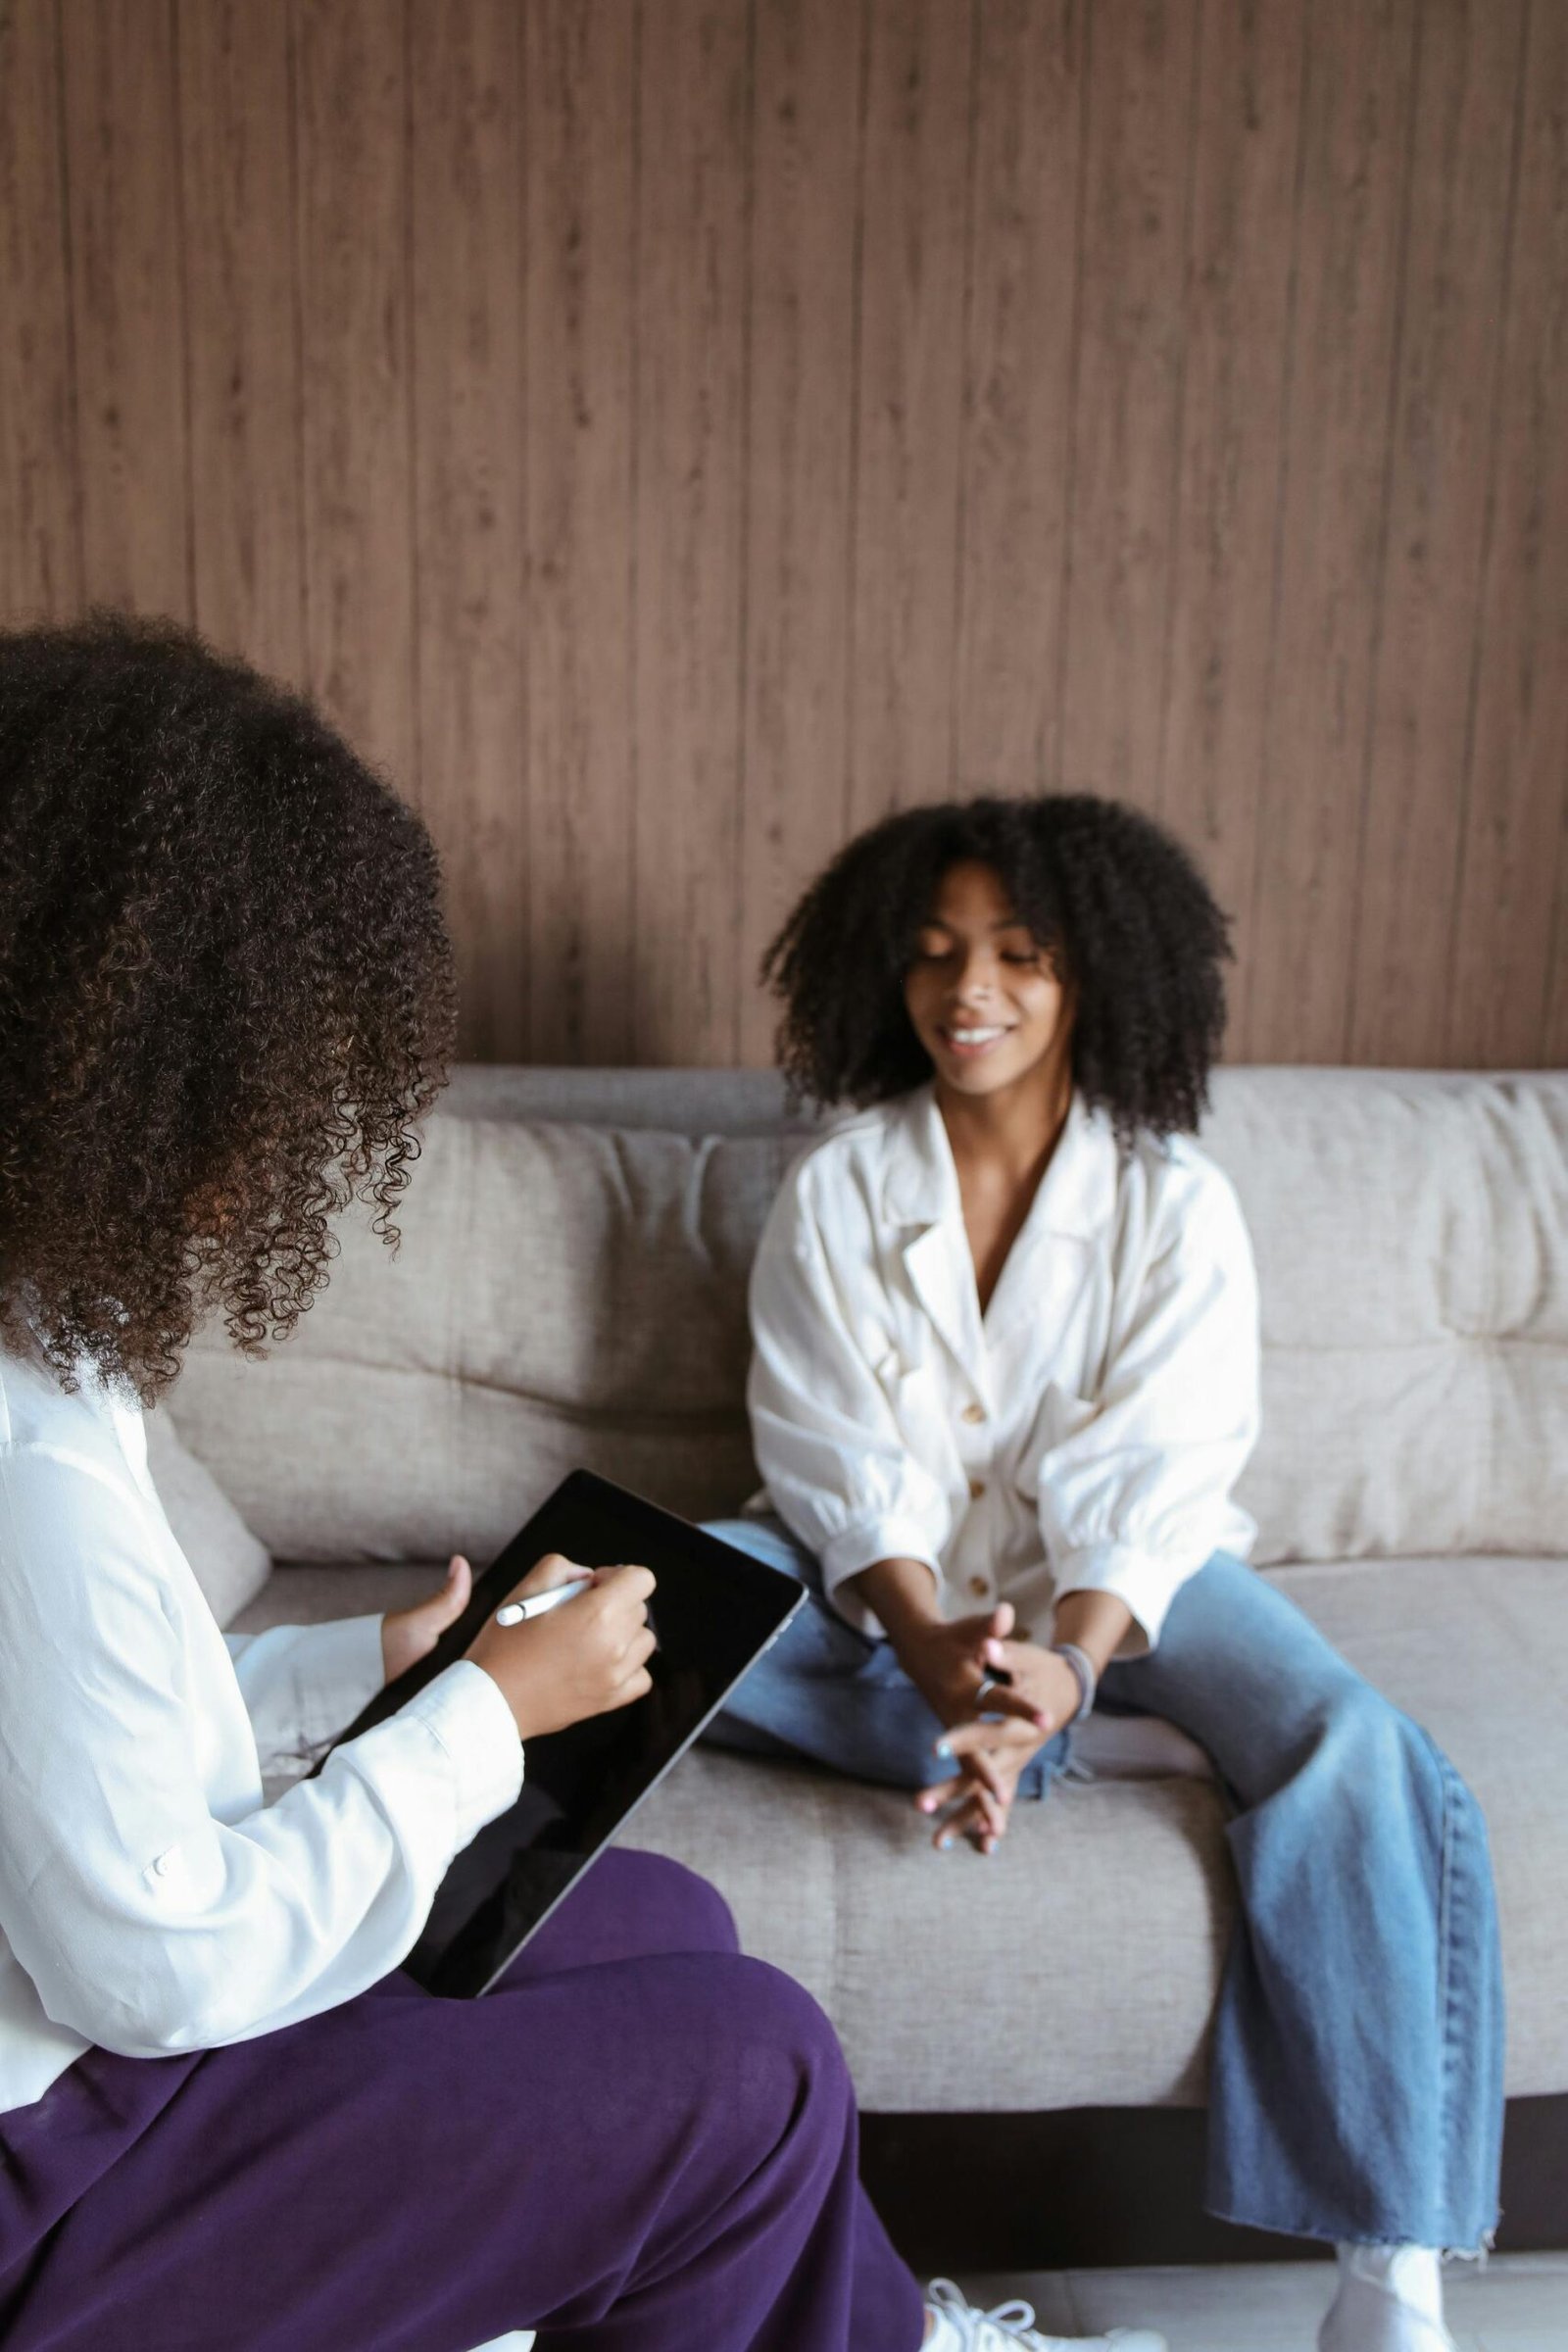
(985, 999)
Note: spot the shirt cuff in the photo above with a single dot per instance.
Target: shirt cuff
(856, 1549)
(302, 1683)
(1145, 1579)
(470, 1720)
(340, 1668)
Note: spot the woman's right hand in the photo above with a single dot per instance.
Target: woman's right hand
(584, 1658)
(950, 1662)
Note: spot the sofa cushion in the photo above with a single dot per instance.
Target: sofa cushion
(837, 1883)
(562, 1297)
(1098, 1927)
(1411, 1234)
(571, 1293)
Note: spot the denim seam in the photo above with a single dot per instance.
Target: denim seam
(1447, 1895)
(1451, 1894)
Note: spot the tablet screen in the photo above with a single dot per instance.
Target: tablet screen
(715, 1610)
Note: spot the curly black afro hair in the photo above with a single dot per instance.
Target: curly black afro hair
(226, 997)
(1121, 910)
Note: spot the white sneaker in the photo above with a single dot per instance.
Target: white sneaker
(962, 2327)
(1389, 2300)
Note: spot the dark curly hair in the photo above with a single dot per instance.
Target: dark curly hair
(226, 997)
(1121, 910)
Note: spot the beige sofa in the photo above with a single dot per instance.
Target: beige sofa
(570, 1289)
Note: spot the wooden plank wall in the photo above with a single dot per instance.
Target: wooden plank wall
(667, 434)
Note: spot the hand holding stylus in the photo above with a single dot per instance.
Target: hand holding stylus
(556, 1665)
(521, 1613)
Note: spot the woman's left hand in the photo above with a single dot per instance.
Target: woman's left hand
(409, 1634)
(978, 1802)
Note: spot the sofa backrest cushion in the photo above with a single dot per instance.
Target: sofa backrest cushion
(560, 1295)
(570, 1292)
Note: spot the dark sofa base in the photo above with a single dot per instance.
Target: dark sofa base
(1093, 2187)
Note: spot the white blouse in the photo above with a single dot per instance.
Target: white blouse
(148, 1902)
(1083, 1434)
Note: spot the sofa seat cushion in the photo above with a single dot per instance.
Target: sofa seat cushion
(311, 1594)
(1079, 1966)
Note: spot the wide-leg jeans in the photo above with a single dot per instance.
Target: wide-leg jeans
(1356, 2083)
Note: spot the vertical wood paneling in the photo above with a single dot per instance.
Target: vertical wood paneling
(1450, 350)
(1023, 267)
(1504, 1009)
(122, 162)
(692, 208)
(671, 433)
(802, 402)
(1127, 398)
(913, 192)
(1350, 226)
(40, 550)
(1246, 153)
(350, 129)
(580, 154)
(1548, 202)
(237, 204)
(470, 231)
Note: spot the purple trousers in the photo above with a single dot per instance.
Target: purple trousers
(641, 2141)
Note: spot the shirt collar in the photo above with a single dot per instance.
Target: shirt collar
(921, 1182)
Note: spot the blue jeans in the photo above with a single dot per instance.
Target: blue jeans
(1356, 2083)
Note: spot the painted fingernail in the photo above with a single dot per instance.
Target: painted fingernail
(943, 1845)
(943, 1748)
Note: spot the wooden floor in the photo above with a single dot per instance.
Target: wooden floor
(1519, 2303)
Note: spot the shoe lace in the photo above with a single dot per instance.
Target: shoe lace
(1014, 2321)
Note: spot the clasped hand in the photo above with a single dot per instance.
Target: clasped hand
(991, 1733)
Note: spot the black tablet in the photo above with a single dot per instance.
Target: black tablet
(714, 1611)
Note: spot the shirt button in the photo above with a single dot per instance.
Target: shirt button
(974, 1413)
(160, 1867)
(977, 1486)
(979, 1586)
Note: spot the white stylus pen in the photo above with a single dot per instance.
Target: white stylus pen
(517, 1612)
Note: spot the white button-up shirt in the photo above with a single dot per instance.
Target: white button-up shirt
(148, 1902)
(1084, 1433)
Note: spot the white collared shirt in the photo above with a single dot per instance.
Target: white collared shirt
(1085, 1433)
(148, 1902)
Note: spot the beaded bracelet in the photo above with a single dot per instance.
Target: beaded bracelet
(1087, 1680)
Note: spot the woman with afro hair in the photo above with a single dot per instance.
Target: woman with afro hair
(1004, 1377)
(228, 2123)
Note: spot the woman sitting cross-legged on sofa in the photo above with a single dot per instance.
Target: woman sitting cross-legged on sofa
(227, 2122)
(1006, 1374)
